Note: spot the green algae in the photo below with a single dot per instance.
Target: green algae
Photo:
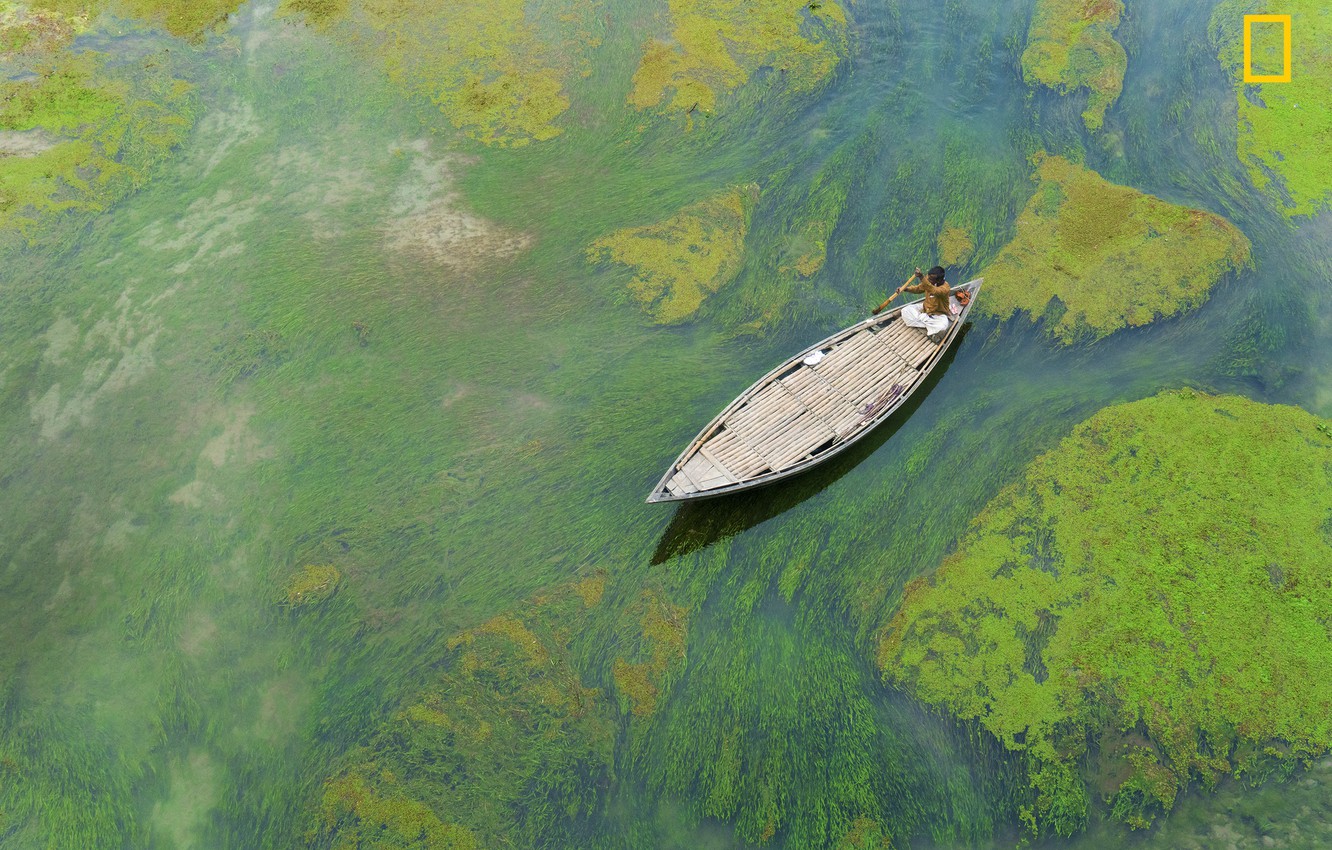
(1071, 45)
(664, 628)
(453, 490)
(498, 71)
(104, 129)
(506, 746)
(319, 13)
(311, 585)
(1147, 601)
(681, 261)
(187, 19)
(34, 32)
(1283, 127)
(731, 740)
(714, 48)
(361, 809)
(955, 246)
(787, 256)
(183, 18)
(1093, 257)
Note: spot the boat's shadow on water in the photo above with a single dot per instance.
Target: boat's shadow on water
(702, 523)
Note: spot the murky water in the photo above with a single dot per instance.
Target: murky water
(332, 330)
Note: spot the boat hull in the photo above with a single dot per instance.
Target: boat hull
(811, 407)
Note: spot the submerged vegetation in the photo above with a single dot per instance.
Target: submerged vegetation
(1283, 127)
(679, 262)
(325, 451)
(189, 19)
(1071, 45)
(311, 585)
(663, 648)
(1148, 601)
(78, 131)
(715, 47)
(506, 747)
(1091, 257)
(955, 246)
(498, 71)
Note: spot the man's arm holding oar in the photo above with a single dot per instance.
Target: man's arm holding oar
(877, 310)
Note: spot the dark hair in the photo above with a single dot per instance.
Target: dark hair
(936, 273)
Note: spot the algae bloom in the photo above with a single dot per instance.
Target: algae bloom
(1284, 128)
(1149, 600)
(679, 262)
(715, 47)
(77, 132)
(496, 70)
(955, 246)
(1071, 45)
(1093, 257)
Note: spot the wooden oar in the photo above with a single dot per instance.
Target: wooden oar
(896, 292)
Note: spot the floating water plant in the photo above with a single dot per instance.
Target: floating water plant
(1092, 257)
(1149, 600)
(679, 262)
(1071, 45)
(714, 48)
(1283, 127)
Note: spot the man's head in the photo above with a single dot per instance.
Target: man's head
(936, 275)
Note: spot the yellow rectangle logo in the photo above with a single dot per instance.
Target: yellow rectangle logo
(1249, 75)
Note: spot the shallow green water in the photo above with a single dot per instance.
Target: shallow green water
(274, 354)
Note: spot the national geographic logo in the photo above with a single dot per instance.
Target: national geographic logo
(1249, 75)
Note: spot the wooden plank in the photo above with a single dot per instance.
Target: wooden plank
(847, 355)
(921, 352)
(699, 469)
(844, 355)
(907, 379)
(899, 343)
(897, 333)
(863, 389)
(722, 469)
(826, 383)
(904, 376)
(717, 480)
(684, 481)
(817, 415)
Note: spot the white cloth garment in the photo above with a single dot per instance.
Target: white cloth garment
(914, 315)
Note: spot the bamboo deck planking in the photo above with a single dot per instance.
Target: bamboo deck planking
(798, 414)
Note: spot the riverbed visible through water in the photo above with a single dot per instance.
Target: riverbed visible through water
(323, 451)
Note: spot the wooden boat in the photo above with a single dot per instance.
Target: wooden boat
(811, 407)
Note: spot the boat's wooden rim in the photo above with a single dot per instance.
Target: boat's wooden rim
(661, 493)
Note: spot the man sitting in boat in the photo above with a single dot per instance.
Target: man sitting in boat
(932, 313)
